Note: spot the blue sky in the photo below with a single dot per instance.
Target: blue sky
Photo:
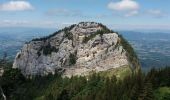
(118, 14)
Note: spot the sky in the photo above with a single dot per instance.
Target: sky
(116, 14)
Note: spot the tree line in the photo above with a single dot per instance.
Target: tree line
(137, 86)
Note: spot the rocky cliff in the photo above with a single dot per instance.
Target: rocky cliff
(75, 50)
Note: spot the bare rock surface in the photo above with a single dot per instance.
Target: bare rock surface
(75, 50)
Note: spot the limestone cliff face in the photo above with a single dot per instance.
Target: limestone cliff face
(75, 50)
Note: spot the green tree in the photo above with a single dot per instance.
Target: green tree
(72, 59)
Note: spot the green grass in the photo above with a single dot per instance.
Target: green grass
(120, 72)
(162, 93)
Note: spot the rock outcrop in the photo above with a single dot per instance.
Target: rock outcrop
(75, 50)
(1, 71)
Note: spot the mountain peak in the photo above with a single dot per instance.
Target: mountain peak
(75, 50)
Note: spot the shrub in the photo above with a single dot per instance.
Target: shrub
(72, 59)
(47, 50)
(69, 35)
(87, 38)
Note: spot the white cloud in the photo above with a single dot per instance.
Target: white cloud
(16, 6)
(124, 5)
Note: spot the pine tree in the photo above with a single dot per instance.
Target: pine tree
(64, 95)
(149, 91)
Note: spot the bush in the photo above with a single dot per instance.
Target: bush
(47, 50)
(69, 35)
(99, 32)
(72, 59)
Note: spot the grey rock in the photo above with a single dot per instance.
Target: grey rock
(100, 53)
(1, 71)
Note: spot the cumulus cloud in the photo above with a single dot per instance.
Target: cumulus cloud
(126, 8)
(124, 5)
(16, 6)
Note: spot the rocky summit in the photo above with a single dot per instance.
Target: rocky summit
(76, 50)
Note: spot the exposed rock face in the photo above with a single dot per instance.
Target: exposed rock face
(75, 50)
(1, 71)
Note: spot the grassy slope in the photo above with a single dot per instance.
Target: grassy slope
(120, 72)
(162, 93)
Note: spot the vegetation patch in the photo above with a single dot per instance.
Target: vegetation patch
(87, 38)
(72, 58)
(47, 50)
(120, 72)
(105, 29)
(69, 35)
(130, 53)
(162, 93)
